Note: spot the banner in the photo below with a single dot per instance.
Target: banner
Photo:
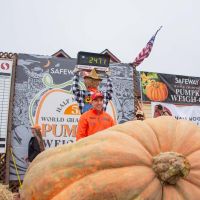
(191, 113)
(170, 88)
(43, 95)
(6, 66)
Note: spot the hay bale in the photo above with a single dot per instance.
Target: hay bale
(5, 193)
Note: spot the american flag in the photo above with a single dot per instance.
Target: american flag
(145, 51)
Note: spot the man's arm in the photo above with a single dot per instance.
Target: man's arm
(109, 88)
(79, 94)
(75, 85)
(82, 128)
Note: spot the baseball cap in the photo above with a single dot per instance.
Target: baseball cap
(96, 95)
(139, 112)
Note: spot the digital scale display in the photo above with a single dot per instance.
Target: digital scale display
(93, 59)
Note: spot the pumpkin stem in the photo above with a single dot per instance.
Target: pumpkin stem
(155, 84)
(170, 167)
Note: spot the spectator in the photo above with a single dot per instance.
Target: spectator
(161, 111)
(140, 115)
(35, 144)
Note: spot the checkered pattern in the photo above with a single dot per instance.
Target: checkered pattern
(80, 95)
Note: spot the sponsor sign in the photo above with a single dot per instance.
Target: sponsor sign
(5, 89)
(170, 88)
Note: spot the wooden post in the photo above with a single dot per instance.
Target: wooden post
(135, 83)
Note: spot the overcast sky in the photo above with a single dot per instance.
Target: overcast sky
(122, 26)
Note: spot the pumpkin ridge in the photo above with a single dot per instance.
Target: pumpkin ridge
(147, 187)
(88, 175)
(193, 177)
(155, 135)
(39, 160)
(70, 149)
(148, 127)
(174, 138)
(106, 171)
(145, 149)
(77, 149)
(180, 192)
(146, 124)
(137, 141)
(177, 189)
(101, 170)
(184, 138)
(194, 151)
(194, 167)
(190, 181)
(181, 188)
(162, 120)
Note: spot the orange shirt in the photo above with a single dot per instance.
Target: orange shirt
(91, 122)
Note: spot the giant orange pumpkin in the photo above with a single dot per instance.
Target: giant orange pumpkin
(156, 91)
(154, 159)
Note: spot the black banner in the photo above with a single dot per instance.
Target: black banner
(170, 88)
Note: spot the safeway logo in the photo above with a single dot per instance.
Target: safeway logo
(5, 66)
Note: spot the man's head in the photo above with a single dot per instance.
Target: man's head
(97, 101)
(160, 107)
(92, 79)
(35, 128)
(140, 115)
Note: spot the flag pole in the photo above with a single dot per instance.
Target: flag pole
(146, 50)
(142, 55)
(158, 30)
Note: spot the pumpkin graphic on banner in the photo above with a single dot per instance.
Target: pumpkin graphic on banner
(153, 88)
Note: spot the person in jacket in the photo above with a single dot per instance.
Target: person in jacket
(161, 111)
(36, 145)
(94, 120)
(92, 82)
(140, 115)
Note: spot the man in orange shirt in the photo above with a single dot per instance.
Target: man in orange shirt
(95, 119)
